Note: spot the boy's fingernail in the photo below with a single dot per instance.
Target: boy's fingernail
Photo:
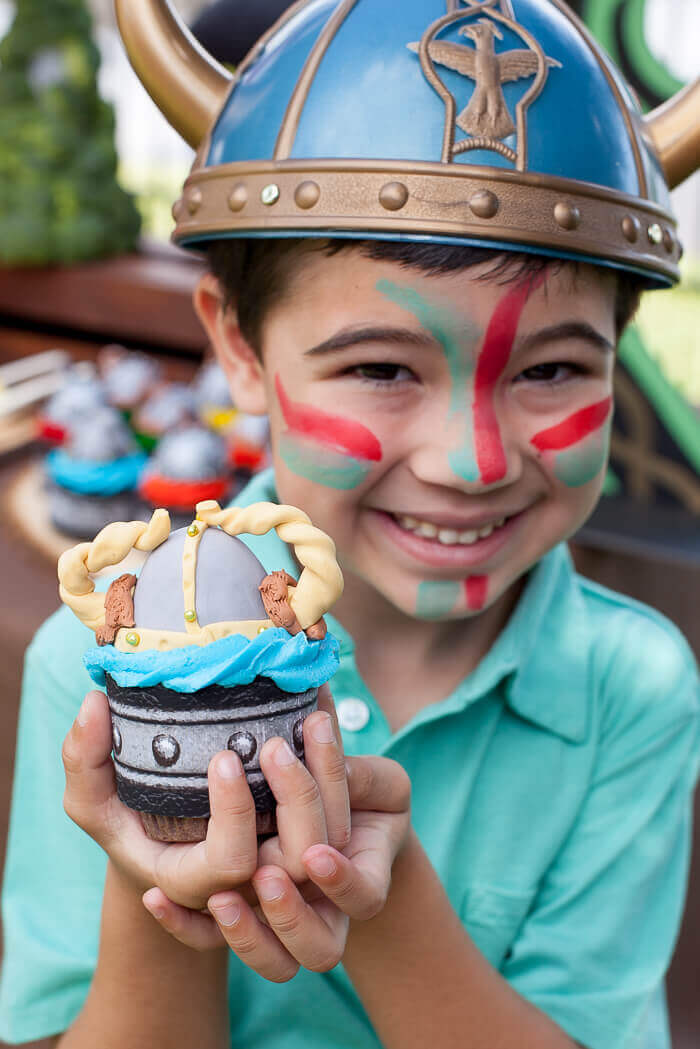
(156, 909)
(322, 730)
(229, 766)
(323, 865)
(270, 889)
(283, 755)
(348, 770)
(84, 712)
(228, 914)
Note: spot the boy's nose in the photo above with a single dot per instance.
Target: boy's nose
(461, 457)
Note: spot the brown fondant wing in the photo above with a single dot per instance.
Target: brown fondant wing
(516, 64)
(454, 56)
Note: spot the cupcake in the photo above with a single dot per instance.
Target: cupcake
(80, 396)
(170, 405)
(213, 397)
(128, 376)
(248, 441)
(188, 466)
(203, 652)
(92, 478)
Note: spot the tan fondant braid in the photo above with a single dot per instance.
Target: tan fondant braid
(109, 547)
(321, 581)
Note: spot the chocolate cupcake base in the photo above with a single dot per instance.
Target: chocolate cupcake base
(163, 742)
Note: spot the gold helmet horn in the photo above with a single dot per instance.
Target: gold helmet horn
(675, 131)
(184, 81)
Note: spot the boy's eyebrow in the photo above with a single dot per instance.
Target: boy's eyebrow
(568, 330)
(354, 336)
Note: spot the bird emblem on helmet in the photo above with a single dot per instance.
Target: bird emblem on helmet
(488, 122)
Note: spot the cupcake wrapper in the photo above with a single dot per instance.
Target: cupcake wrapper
(163, 740)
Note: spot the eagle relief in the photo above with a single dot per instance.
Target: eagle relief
(486, 118)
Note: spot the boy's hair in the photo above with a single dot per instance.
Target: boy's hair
(256, 273)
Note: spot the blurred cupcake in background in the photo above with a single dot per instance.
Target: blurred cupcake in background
(248, 442)
(213, 397)
(81, 395)
(188, 466)
(129, 377)
(92, 479)
(169, 406)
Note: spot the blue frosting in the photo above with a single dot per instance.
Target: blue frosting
(95, 478)
(294, 663)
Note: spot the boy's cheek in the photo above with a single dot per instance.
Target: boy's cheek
(322, 447)
(575, 451)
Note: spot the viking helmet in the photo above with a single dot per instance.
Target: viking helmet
(486, 122)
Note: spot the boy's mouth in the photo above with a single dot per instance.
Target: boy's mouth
(447, 536)
(446, 546)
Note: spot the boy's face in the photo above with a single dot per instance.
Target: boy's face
(445, 431)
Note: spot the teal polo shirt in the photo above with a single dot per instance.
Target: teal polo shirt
(551, 790)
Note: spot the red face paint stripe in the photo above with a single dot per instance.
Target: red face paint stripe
(493, 359)
(573, 429)
(330, 430)
(475, 589)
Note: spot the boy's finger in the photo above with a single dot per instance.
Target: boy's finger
(326, 702)
(255, 944)
(232, 843)
(300, 818)
(357, 889)
(315, 936)
(376, 783)
(189, 874)
(90, 782)
(195, 930)
(326, 763)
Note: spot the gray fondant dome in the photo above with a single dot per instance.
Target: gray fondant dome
(226, 583)
(81, 394)
(101, 437)
(190, 454)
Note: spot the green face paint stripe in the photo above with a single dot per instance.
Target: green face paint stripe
(577, 466)
(437, 598)
(454, 333)
(459, 338)
(322, 465)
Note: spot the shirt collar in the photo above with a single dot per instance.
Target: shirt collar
(542, 655)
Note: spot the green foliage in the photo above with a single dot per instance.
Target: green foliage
(59, 198)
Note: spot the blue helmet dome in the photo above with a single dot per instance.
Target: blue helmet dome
(488, 122)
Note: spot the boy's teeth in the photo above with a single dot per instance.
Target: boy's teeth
(447, 536)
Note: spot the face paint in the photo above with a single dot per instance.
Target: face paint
(458, 337)
(577, 448)
(325, 448)
(475, 588)
(436, 598)
(500, 336)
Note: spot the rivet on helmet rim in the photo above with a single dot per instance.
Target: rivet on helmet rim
(307, 194)
(630, 228)
(655, 233)
(270, 194)
(567, 216)
(238, 197)
(484, 203)
(393, 196)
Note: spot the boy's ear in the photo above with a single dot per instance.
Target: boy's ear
(238, 359)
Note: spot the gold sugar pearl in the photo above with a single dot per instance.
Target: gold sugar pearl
(190, 615)
(132, 639)
(192, 531)
(262, 629)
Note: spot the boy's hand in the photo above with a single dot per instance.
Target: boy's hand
(293, 926)
(313, 809)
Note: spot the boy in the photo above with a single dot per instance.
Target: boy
(442, 410)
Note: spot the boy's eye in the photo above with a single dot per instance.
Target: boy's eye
(382, 372)
(554, 372)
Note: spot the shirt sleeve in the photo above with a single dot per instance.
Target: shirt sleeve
(594, 950)
(54, 873)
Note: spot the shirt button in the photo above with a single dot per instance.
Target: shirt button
(353, 714)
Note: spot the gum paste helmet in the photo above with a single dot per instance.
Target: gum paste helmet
(485, 122)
